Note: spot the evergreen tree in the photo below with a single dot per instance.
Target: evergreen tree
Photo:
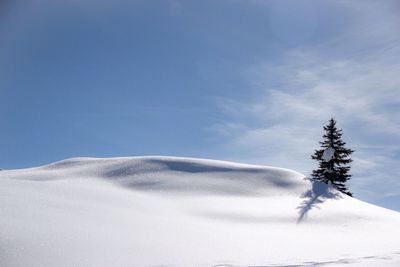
(333, 159)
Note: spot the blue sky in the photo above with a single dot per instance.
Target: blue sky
(248, 81)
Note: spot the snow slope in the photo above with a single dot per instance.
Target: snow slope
(167, 211)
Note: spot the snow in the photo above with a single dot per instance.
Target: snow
(328, 154)
(169, 211)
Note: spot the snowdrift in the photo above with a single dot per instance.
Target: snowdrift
(168, 211)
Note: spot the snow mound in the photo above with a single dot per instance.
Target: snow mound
(170, 211)
(175, 175)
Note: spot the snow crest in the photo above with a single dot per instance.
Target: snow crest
(153, 211)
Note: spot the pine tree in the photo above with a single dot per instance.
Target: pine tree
(333, 159)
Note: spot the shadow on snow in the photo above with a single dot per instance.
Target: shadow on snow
(315, 197)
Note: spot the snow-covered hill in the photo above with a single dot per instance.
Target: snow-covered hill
(167, 211)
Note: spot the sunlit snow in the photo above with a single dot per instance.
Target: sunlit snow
(167, 211)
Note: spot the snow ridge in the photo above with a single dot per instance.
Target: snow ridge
(154, 210)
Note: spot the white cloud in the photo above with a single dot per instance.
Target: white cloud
(297, 97)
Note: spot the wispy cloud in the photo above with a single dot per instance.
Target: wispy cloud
(283, 124)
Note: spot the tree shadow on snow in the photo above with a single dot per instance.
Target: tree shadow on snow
(315, 197)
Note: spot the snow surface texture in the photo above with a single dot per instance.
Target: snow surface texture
(167, 211)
